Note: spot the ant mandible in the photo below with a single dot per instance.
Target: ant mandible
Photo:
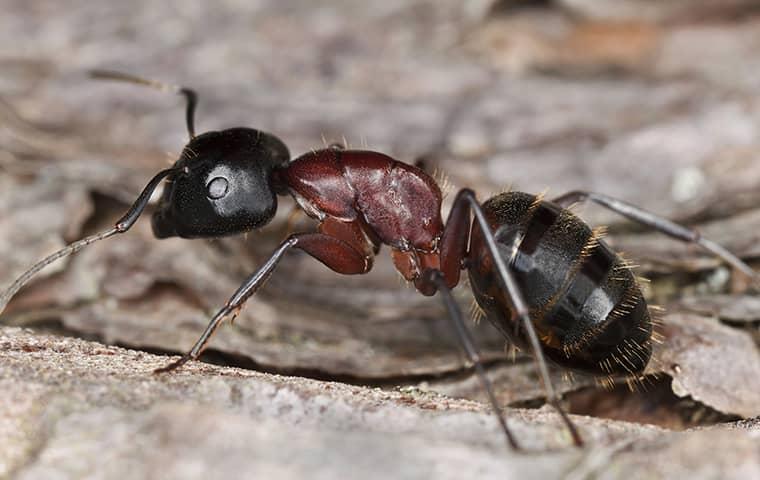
(544, 279)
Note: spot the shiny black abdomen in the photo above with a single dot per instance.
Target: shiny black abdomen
(584, 301)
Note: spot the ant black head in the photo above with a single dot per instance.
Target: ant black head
(223, 185)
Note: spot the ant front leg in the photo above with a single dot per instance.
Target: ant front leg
(338, 254)
(454, 250)
(660, 224)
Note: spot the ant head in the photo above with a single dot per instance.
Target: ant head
(223, 185)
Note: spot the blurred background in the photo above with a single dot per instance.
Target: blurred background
(652, 102)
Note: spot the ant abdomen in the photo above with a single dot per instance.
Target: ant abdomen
(585, 303)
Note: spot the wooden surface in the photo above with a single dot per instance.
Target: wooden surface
(658, 108)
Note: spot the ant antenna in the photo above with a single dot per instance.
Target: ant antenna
(190, 95)
(121, 226)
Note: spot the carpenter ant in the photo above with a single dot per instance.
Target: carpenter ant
(545, 280)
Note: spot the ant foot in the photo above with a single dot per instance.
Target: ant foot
(174, 365)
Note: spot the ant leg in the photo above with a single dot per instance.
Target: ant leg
(337, 254)
(122, 225)
(509, 285)
(660, 224)
(190, 95)
(468, 345)
(235, 302)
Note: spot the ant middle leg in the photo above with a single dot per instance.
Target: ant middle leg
(436, 278)
(660, 224)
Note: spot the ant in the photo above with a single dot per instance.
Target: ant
(544, 279)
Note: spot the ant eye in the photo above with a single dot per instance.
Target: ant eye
(217, 188)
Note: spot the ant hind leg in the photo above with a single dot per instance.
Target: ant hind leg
(662, 225)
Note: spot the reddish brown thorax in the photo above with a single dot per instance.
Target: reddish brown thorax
(393, 203)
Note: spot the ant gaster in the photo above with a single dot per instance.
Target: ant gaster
(544, 279)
